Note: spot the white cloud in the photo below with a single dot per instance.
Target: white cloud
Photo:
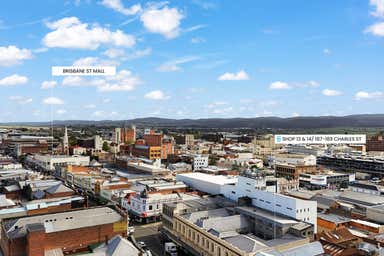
(327, 51)
(106, 100)
(330, 92)
(379, 8)
(241, 75)
(89, 106)
(361, 95)
(312, 84)
(11, 55)
(114, 53)
(20, 99)
(156, 95)
(139, 54)
(164, 21)
(376, 29)
(194, 28)
(53, 101)
(122, 81)
(48, 84)
(279, 85)
(94, 61)
(174, 65)
(61, 111)
(295, 114)
(70, 32)
(12, 80)
(222, 111)
(104, 114)
(118, 6)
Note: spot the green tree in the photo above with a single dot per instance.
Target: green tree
(105, 146)
(72, 140)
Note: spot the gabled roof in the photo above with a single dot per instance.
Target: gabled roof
(58, 188)
(119, 246)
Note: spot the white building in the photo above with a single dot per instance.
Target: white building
(150, 206)
(257, 189)
(199, 162)
(98, 141)
(292, 159)
(211, 184)
(305, 149)
(302, 210)
(49, 162)
(116, 136)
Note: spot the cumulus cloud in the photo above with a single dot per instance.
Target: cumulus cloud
(11, 55)
(330, 92)
(363, 95)
(20, 99)
(379, 8)
(162, 20)
(114, 53)
(12, 80)
(156, 95)
(122, 81)
(279, 85)
(70, 32)
(118, 6)
(53, 101)
(376, 29)
(48, 84)
(241, 75)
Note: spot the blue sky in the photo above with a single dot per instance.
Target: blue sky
(192, 59)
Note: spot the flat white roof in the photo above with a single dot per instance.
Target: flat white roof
(216, 179)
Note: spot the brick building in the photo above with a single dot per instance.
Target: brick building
(375, 143)
(290, 171)
(153, 139)
(69, 231)
(128, 135)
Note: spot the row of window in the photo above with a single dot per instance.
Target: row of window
(202, 241)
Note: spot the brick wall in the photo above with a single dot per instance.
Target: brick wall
(69, 240)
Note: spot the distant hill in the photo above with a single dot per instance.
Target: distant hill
(352, 121)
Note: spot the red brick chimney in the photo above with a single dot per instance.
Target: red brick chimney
(35, 239)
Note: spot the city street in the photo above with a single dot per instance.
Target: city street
(150, 235)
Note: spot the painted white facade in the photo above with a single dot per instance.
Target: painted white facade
(49, 162)
(199, 162)
(211, 184)
(98, 141)
(293, 159)
(298, 209)
(262, 196)
(152, 204)
(305, 149)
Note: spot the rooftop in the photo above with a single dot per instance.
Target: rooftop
(216, 179)
(16, 227)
